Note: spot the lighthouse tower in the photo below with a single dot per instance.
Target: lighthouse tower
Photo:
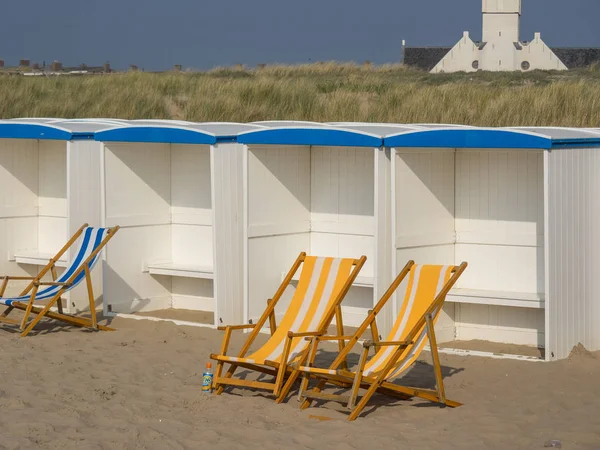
(501, 22)
(500, 48)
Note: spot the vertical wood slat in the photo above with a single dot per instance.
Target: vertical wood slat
(228, 192)
(573, 313)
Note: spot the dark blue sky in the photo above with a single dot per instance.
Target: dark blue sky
(155, 34)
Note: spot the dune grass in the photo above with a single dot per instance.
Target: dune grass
(317, 92)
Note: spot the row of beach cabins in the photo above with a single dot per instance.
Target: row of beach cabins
(213, 215)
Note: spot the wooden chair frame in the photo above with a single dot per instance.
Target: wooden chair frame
(356, 380)
(36, 282)
(279, 371)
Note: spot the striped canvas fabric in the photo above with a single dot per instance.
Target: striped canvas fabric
(90, 239)
(320, 282)
(424, 284)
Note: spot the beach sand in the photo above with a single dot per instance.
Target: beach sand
(140, 387)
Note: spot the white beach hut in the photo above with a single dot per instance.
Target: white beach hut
(50, 186)
(165, 183)
(521, 206)
(315, 188)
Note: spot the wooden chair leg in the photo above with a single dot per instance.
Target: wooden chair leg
(88, 279)
(364, 400)
(374, 332)
(282, 366)
(358, 377)
(59, 304)
(340, 331)
(312, 354)
(4, 285)
(229, 374)
(437, 367)
(29, 306)
(41, 314)
(7, 311)
(376, 384)
(287, 386)
(218, 372)
(318, 388)
(9, 321)
(218, 389)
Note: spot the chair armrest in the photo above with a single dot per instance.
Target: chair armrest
(51, 283)
(388, 343)
(10, 277)
(236, 327)
(291, 334)
(330, 338)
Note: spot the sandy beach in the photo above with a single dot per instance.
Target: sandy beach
(140, 387)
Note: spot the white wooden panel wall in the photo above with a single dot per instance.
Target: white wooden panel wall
(268, 259)
(509, 325)
(192, 294)
(19, 188)
(500, 219)
(192, 245)
(573, 224)
(384, 239)
(83, 184)
(424, 181)
(229, 190)
(52, 196)
(83, 194)
(191, 211)
(137, 191)
(424, 197)
(343, 215)
(342, 190)
(127, 286)
(278, 190)
(19, 182)
(138, 186)
(279, 196)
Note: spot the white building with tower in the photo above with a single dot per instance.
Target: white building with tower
(500, 48)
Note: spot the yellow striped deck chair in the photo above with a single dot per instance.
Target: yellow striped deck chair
(425, 294)
(323, 284)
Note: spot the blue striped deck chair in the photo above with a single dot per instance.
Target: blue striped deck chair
(91, 242)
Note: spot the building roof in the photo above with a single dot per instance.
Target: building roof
(342, 134)
(320, 135)
(473, 137)
(51, 129)
(173, 132)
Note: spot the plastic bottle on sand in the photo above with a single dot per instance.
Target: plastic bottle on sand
(207, 378)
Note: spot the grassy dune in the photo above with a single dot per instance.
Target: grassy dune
(318, 92)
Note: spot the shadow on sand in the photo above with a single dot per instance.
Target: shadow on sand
(420, 375)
